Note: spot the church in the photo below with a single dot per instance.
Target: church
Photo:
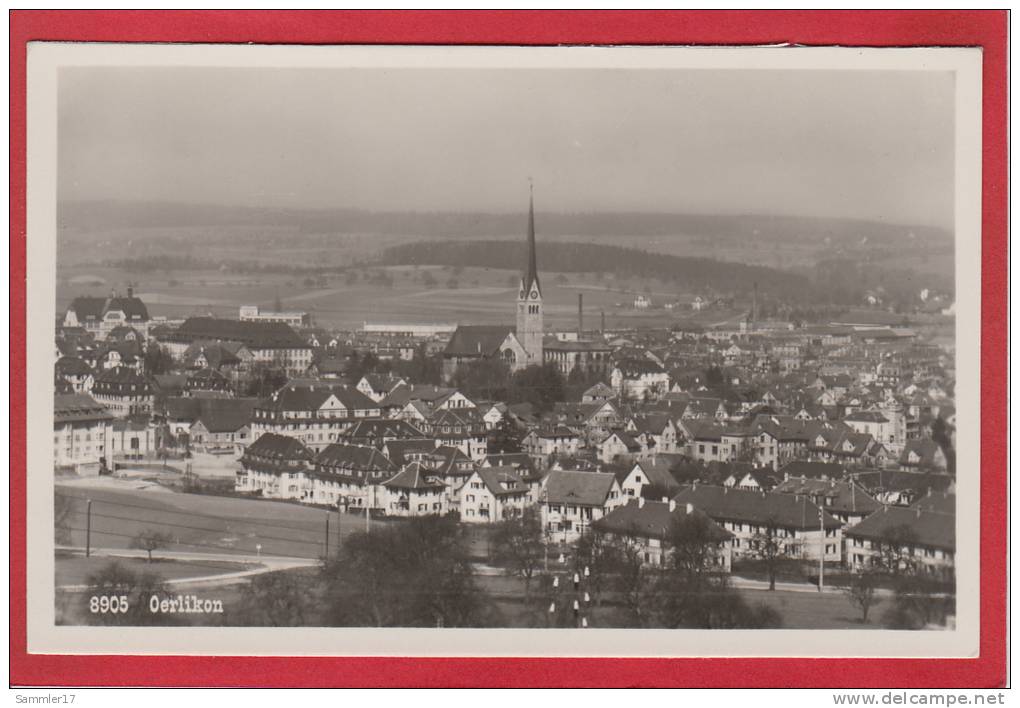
(519, 346)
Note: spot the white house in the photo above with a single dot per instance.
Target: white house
(570, 501)
(492, 494)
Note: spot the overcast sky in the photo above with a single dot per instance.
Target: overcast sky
(871, 145)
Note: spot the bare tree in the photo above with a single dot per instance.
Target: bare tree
(861, 592)
(519, 542)
(598, 554)
(767, 547)
(151, 540)
(635, 582)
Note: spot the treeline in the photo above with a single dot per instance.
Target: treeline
(91, 215)
(692, 273)
(168, 262)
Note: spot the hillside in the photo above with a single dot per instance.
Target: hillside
(691, 274)
(734, 228)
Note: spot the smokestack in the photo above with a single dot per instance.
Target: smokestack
(603, 329)
(754, 305)
(131, 291)
(580, 315)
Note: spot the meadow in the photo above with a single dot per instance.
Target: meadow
(395, 294)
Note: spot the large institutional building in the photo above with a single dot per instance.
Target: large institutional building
(519, 346)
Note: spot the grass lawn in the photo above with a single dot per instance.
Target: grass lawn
(807, 610)
(205, 523)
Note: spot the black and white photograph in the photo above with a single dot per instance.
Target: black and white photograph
(361, 340)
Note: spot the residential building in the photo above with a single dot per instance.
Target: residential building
(80, 426)
(270, 343)
(639, 379)
(316, 413)
(350, 476)
(275, 467)
(924, 539)
(492, 494)
(100, 315)
(414, 491)
(123, 391)
(648, 524)
(801, 526)
(571, 500)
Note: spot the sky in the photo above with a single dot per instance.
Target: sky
(874, 145)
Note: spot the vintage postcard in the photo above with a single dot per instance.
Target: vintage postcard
(503, 351)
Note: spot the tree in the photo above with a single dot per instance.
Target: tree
(542, 386)
(279, 599)
(767, 547)
(860, 591)
(893, 550)
(131, 593)
(264, 380)
(600, 555)
(157, 360)
(519, 544)
(634, 582)
(151, 540)
(692, 591)
(413, 574)
(504, 438)
(487, 378)
(920, 600)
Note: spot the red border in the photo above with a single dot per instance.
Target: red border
(986, 29)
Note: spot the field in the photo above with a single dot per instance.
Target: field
(199, 523)
(481, 296)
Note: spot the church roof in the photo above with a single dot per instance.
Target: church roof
(477, 340)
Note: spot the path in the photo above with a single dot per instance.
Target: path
(266, 564)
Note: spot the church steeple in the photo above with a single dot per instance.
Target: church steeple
(530, 329)
(531, 275)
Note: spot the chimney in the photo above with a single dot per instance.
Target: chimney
(131, 291)
(754, 307)
(640, 502)
(580, 315)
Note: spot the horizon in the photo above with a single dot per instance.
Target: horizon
(848, 144)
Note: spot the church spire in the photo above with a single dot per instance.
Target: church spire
(532, 274)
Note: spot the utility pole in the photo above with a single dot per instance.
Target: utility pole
(821, 558)
(326, 554)
(339, 529)
(88, 528)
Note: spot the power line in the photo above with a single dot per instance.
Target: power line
(311, 523)
(221, 549)
(190, 528)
